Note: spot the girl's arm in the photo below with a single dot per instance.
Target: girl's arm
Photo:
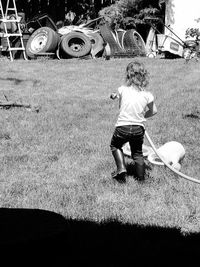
(152, 110)
(114, 96)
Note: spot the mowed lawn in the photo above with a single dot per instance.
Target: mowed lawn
(59, 158)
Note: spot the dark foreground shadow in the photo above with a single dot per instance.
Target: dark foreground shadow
(45, 238)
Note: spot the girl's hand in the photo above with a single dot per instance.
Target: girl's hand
(114, 96)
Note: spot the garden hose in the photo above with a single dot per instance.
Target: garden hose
(168, 165)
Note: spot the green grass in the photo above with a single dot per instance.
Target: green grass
(59, 159)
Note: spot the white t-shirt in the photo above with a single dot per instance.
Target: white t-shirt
(133, 105)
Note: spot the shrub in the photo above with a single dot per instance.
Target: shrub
(130, 13)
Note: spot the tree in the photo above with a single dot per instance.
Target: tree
(130, 13)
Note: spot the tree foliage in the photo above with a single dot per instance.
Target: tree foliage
(130, 13)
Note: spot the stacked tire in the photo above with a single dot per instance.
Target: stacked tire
(74, 45)
(77, 44)
(111, 40)
(43, 40)
(120, 37)
(134, 43)
(98, 44)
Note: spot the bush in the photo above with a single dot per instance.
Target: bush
(128, 14)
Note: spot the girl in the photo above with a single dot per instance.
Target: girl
(135, 105)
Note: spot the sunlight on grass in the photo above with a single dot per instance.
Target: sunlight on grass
(59, 159)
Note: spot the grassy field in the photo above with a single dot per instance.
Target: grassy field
(59, 158)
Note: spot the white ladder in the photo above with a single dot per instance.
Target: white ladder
(11, 7)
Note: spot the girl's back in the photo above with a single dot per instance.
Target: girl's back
(133, 104)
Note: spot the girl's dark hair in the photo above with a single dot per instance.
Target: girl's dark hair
(136, 74)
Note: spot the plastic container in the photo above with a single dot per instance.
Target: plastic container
(172, 152)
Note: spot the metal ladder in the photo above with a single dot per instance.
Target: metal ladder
(11, 7)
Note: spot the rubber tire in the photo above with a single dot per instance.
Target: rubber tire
(187, 54)
(75, 44)
(120, 37)
(134, 43)
(140, 43)
(107, 52)
(110, 38)
(97, 43)
(48, 45)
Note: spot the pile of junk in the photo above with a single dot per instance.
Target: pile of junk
(42, 38)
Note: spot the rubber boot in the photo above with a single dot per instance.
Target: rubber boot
(139, 171)
(120, 174)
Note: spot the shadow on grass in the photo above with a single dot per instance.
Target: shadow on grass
(19, 81)
(39, 236)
